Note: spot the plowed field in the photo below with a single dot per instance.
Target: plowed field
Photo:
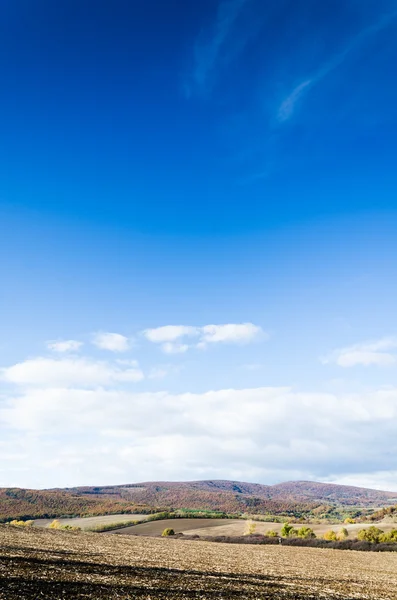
(41, 563)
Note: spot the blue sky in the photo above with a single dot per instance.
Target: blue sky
(198, 216)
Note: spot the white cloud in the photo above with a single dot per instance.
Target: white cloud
(231, 333)
(169, 333)
(64, 345)
(378, 480)
(67, 372)
(170, 348)
(114, 342)
(170, 336)
(365, 354)
(360, 357)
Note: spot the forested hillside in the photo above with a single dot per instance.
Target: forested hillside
(231, 496)
(48, 504)
(291, 499)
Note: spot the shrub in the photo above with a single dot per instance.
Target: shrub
(160, 516)
(349, 521)
(298, 542)
(110, 526)
(342, 534)
(271, 533)
(167, 532)
(55, 524)
(389, 538)
(287, 530)
(372, 535)
(250, 528)
(330, 535)
(17, 523)
(306, 533)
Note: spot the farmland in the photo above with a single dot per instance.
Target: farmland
(179, 526)
(87, 523)
(199, 526)
(55, 564)
(237, 528)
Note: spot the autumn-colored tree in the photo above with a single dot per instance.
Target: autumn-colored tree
(342, 534)
(250, 528)
(55, 524)
(330, 535)
(306, 533)
(390, 537)
(371, 534)
(167, 532)
(16, 523)
(288, 530)
(271, 533)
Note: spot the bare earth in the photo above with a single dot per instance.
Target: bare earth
(90, 522)
(41, 563)
(179, 526)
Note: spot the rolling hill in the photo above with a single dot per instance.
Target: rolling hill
(230, 496)
(295, 498)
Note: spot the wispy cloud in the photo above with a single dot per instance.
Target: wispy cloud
(253, 367)
(288, 105)
(173, 348)
(210, 44)
(162, 371)
(378, 353)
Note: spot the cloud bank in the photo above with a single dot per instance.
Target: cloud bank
(67, 372)
(68, 419)
(75, 420)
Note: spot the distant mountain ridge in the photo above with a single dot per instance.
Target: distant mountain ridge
(238, 496)
(289, 499)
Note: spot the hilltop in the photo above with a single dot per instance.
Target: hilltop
(237, 496)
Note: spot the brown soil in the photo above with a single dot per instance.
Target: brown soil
(155, 528)
(41, 563)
